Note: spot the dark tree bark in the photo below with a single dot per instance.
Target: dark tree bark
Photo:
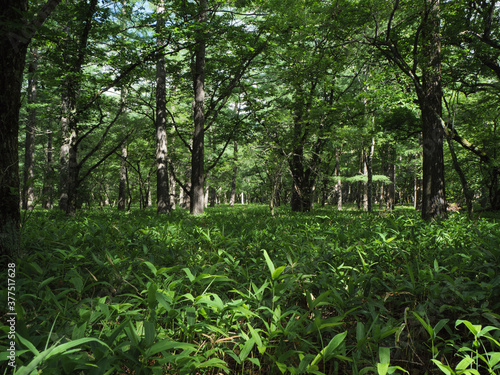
(162, 175)
(15, 35)
(68, 161)
(28, 195)
(426, 55)
(430, 101)
(12, 60)
(303, 172)
(301, 182)
(369, 174)
(197, 196)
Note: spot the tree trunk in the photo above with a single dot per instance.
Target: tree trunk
(122, 187)
(212, 196)
(433, 189)
(338, 184)
(365, 184)
(302, 181)
(47, 190)
(172, 186)
(12, 60)
(28, 196)
(15, 36)
(162, 176)
(369, 174)
(235, 170)
(302, 189)
(465, 186)
(391, 172)
(197, 204)
(68, 178)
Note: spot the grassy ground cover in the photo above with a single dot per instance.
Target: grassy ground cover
(238, 291)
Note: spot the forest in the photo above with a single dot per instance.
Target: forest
(250, 186)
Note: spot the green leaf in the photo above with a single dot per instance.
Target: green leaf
(255, 335)
(426, 325)
(152, 301)
(168, 344)
(473, 328)
(149, 333)
(382, 368)
(277, 272)
(464, 363)
(151, 267)
(327, 351)
(384, 355)
(247, 348)
(444, 368)
(269, 262)
(55, 350)
(189, 274)
(27, 344)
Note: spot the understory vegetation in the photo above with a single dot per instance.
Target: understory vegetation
(238, 291)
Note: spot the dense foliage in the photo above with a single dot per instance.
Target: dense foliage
(236, 290)
(110, 107)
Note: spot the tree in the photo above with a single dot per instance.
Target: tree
(162, 175)
(28, 197)
(16, 33)
(414, 45)
(197, 202)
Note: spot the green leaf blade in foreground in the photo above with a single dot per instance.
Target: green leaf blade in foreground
(54, 350)
(330, 348)
(168, 344)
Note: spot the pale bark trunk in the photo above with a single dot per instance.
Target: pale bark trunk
(28, 196)
(122, 187)
(48, 188)
(197, 201)
(162, 176)
(391, 189)
(235, 171)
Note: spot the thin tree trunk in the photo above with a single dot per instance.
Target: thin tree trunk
(197, 202)
(465, 186)
(122, 187)
(391, 189)
(369, 173)
(162, 177)
(338, 184)
(48, 188)
(28, 196)
(64, 153)
(235, 172)
(212, 196)
(172, 186)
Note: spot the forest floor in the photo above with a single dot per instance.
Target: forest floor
(236, 290)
